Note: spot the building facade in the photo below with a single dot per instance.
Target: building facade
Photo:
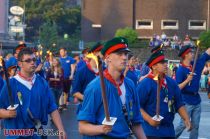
(3, 19)
(101, 19)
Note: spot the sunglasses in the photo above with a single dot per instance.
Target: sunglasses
(29, 60)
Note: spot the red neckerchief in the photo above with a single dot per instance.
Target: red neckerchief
(90, 68)
(131, 68)
(163, 82)
(109, 77)
(188, 67)
(26, 78)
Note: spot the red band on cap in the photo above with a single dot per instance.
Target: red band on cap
(156, 60)
(114, 48)
(186, 52)
(98, 49)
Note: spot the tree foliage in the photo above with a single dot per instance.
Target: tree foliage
(48, 35)
(38, 12)
(205, 39)
(128, 33)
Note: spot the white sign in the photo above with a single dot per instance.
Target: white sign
(16, 29)
(16, 10)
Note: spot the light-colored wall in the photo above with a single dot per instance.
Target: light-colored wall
(3, 16)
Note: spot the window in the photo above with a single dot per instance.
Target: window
(96, 25)
(144, 24)
(169, 24)
(197, 25)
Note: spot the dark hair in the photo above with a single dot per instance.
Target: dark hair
(129, 56)
(63, 48)
(24, 51)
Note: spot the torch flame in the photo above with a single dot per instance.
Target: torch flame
(1, 58)
(156, 78)
(94, 57)
(198, 43)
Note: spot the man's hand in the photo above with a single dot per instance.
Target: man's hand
(71, 77)
(189, 77)
(188, 125)
(62, 134)
(105, 129)
(11, 113)
(154, 122)
(208, 51)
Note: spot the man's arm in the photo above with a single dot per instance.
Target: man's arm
(73, 67)
(186, 82)
(93, 130)
(138, 131)
(183, 113)
(148, 118)
(58, 123)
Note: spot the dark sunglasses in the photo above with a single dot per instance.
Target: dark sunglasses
(29, 60)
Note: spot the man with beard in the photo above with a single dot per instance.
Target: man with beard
(34, 97)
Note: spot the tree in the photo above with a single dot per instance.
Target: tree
(205, 39)
(128, 33)
(38, 12)
(49, 35)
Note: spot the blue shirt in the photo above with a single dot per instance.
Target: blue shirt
(66, 65)
(144, 70)
(132, 74)
(93, 111)
(1, 83)
(82, 78)
(190, 92)
(147, 90)
(39, 100)
(80, 64)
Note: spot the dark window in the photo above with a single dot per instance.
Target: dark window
(196, 23)
(169, 23)
(144, 23)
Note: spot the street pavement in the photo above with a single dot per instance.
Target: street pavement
(71, 125)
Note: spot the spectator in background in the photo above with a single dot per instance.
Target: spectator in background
(83, 59)
(68, 65)
(55, 78)
(163, 37)
(130, 70)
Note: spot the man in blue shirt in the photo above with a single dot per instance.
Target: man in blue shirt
(68, 65)
(87, 73)
(189, 85)
(34, 97)
(120, 94)
(130, 70)
(170, 100)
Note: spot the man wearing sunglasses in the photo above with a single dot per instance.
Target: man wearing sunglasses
(34, 97)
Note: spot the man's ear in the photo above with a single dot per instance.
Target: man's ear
(19, 64)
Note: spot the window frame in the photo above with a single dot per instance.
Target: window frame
(169, 27)
(144, 26)
(204, 27)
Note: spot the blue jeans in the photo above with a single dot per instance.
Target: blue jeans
(194, 113)
(56, 93)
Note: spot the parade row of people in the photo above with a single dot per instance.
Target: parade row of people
(143, 108)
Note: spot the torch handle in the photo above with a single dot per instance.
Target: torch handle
(103, 90)
(158, 98)
(8, 84)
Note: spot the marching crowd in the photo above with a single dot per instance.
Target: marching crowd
(142, 98)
